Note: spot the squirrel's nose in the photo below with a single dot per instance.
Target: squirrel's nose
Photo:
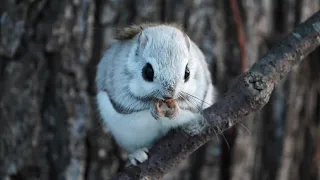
(168, 92)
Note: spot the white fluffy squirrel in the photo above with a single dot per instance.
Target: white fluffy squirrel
(148, 66)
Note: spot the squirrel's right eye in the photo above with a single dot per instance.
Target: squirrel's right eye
(147, 72)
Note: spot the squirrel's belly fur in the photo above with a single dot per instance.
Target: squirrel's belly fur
(139, 129)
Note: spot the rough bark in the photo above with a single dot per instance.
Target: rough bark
(49, 127)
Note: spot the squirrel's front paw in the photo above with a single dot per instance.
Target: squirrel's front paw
(139, 155)
(167, 108)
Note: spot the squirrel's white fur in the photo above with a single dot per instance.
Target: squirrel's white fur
(119, 77)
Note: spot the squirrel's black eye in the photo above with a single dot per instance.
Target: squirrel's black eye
(186, 74)
(147, 72)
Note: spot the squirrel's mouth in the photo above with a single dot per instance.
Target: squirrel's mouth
(165, 108)
(170, 108)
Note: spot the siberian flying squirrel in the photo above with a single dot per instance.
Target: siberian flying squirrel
(150, 66)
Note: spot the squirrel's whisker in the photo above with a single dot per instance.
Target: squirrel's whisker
(224, 137)
(194, 97)
(245, 127)
(192, 103)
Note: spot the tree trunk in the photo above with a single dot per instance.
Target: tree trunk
(49, 126)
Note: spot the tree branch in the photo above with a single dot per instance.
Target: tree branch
(250, 93)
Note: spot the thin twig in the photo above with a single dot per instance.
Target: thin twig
(240, 34)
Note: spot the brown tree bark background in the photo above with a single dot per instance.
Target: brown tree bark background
(49, 127)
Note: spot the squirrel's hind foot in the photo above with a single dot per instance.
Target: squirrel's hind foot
(139, 155)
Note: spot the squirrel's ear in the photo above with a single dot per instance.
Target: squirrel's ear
(187, 39)
(143, 39)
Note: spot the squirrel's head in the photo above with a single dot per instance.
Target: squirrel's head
(163, 66)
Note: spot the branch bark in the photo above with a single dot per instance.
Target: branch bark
(250, 93)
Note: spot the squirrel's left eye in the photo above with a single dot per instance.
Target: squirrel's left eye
(147, 72)
(186, 74)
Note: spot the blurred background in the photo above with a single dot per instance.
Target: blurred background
(49, 126)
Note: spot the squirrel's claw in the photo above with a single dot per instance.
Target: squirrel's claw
(156, 111)
(139, 155)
